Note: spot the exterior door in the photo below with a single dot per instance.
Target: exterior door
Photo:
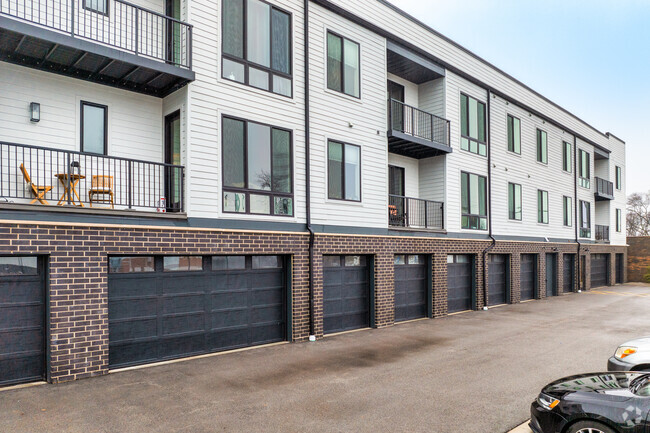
(173, 175)
(346, 293)
(411, 287)
(498, 279)
(568, 272)
(173, 10)
(620, 268)
(396, 100)
(599, 270)
(528, 276)
(551, 275)
(396, 200)
(22, 320)
(460, 283)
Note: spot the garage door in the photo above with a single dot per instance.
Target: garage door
(460, 282)
(599, 269)
(497, 279)
(411, 287)
(528, 273)
(568, 272)
(346, 293)
(163, 308)
(22, 320)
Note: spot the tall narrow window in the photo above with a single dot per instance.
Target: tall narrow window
(473, 201)
(619, 220)
(567, 213)
(584, 169)
(257, 168)
(343, 58)
(514, 201)
(542, 147)
(542, 207)
(256, 45)
(619, 178)
(344, 171)
(514, 134)
(472, 125)
(585, 219)
(566, 156)
(94, 121)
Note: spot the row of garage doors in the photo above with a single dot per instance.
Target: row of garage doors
(169, 307)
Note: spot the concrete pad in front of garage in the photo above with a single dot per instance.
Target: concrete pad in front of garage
(474, 372)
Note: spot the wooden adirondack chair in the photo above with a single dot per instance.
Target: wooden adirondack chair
(37, 190)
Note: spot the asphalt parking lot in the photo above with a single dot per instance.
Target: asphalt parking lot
(473, 372)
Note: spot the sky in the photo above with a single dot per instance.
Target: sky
(592, 57)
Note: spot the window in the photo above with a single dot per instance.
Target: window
(542, 147)
(473, 201)
(567, 214)
(584, 169)
(566, 156)
(222, 263)
(343, 171)
(127, 265)
(18, 265)
(542, 206)
(257, 168)
(585, 219)
(257, 45)
(343, 58)
(182, 263)
(94, 119)
(619, 178)
(514, 201)
(99, 6)
(514, 134)
(472, 125)
(619, 220)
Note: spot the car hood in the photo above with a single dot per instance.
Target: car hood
(638, 342)
(602, 386)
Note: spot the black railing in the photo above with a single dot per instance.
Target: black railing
(604, 187)
(602, 233)
(415, 213)
(43, 176)
(417, 123)
(119, 24)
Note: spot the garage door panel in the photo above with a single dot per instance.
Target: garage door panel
(356, 304)
(186, 345)
(20, 291)
(568, 272)
(20, 368)
(181, 324)
(133, 353)
(357, 276)
(22, 340)
(262, 297)
(528, 276)
(460, 283)
(19, 316)
(237, 299)
(229, 318)
(497, 279)
(355, 321)
(599, 269)
(133, 329)
(120, 287)
(228, 339)
(270, 313)
(189, 303)
(230, 281)
(266, 334)
(132, 308)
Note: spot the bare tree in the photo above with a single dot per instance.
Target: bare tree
(638, 214)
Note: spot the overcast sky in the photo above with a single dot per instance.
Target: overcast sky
(591, 57)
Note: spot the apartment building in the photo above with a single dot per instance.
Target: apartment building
(180, 178)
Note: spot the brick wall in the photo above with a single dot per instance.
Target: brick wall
(638, 257)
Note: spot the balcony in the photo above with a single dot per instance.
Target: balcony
(416, 133)
(602, 234)
(52, 178)
(604, 189)
(415, 213)
(128, 47)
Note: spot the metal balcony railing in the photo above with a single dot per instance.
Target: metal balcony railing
(602, 233)
(417, 123)
(51, 177)
(117, 23)
(415, 213)
(604, 188)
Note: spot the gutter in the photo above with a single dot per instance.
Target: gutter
(489, 190)
(575, 205)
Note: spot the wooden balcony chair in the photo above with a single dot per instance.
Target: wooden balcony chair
(38, 191)
(101, 186)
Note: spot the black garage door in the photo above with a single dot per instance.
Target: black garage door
(163, 308)
(528, 273)
(460, 282)
(346, 293)
(599, 269)
(411, 287)
(569, 273)
(497, 279)
(22, 320)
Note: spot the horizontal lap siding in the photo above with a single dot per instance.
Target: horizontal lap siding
(411, 173)
(617, 158)
(586, 194)
(432, 178)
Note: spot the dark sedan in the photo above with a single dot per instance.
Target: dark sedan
(594, 403)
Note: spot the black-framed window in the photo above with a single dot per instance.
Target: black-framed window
(257, 161)
(472, 125)
(567, 158)
(619, 177)
(584, 169)
(343, 65)
(567, 211)
(542, 206)
(99, 6)
(514, 201)
(130, 264)
(542, 147)
(94, 128)
(585, 219)
(514, 134)
(473, 201)
(343, 171)
(619, 220)
(256, 45)
(18, 265)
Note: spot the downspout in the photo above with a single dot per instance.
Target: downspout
(489, 188)
(575, 205)
(312, 325)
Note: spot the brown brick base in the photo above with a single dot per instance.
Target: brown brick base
(638, 257)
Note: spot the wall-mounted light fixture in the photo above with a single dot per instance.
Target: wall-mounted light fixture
(35, 111)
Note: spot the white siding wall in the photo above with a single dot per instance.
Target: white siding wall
(587, 194)
(617, 158)
(432, 178)
(432, 97)
(411, 91)
(411, 173)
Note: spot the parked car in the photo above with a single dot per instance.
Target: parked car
(633, 355)
(613, 402)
